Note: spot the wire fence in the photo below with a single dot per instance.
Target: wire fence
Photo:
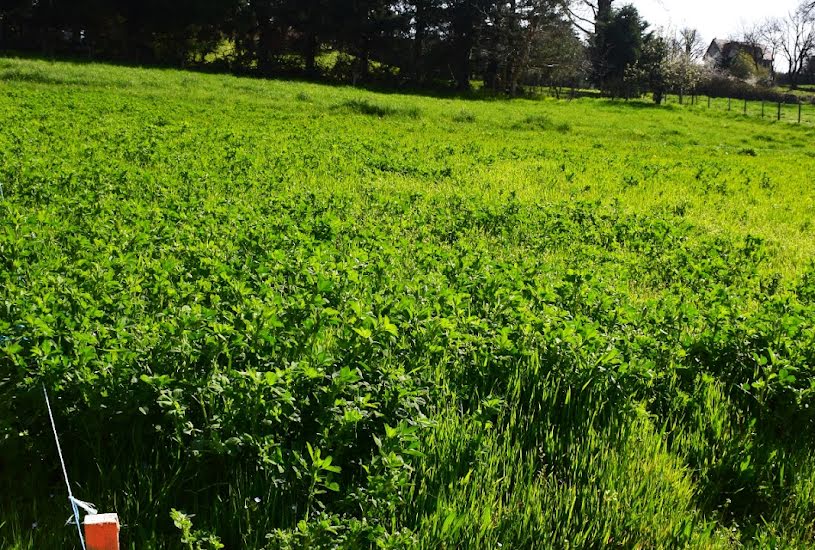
(798, 112)
(802, 112)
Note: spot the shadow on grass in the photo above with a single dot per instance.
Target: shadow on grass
(370, 108)
(439, 89)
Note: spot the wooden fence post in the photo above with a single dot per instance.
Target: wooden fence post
(729, 101)
(745, 106)
(762, 108)
(708, 102)
(102, 531)
(779, 111)
(799, 112)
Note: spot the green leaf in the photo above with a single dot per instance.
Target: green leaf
(448, 523)
(389, 327)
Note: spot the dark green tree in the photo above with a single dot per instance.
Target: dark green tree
(425, 16)
(653, 66)
(466, 23)
(619, 45)
(425, 41)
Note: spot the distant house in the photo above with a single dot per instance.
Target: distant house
(721, 54)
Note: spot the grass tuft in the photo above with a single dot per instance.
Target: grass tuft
(371, 108)
(464, 116)
(542, 123)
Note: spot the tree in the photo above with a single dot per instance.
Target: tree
(619, 45)
(755, 39)
(674, 60)
(466, 19)
(506, 43)
(665, 63)
(681, 71)
(793, 37)
(366, 30)
(514, 35)
(309, 18)
(588, 15)
(691, 44)
(558, 56)
(808, 74)
(539, 19)
(743, 67)
(649, 71)
(602, 12)
(423, 15)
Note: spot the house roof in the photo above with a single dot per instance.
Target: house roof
(723, 45)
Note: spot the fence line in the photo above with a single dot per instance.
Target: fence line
(795, 113)
(803, 112)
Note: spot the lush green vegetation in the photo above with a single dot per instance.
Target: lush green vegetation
(310, 316)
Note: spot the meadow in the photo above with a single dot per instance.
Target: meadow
(285, 315)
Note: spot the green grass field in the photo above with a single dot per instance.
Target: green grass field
(310, 317)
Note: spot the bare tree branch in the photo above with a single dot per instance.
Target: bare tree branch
(793, 37)
(579, 21)
(690, 40)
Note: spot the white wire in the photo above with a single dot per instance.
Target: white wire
(74, 502)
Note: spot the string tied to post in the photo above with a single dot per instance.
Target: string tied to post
(76, 504)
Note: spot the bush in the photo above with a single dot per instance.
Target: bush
(720, 85)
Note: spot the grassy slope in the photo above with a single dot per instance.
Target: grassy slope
(574, 297)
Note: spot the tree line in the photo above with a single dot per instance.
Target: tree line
(420, 41)
(505, 45)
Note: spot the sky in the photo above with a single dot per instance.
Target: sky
(713, 18)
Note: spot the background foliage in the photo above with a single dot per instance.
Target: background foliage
(421, 42)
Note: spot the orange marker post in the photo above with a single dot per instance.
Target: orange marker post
(102, 531)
